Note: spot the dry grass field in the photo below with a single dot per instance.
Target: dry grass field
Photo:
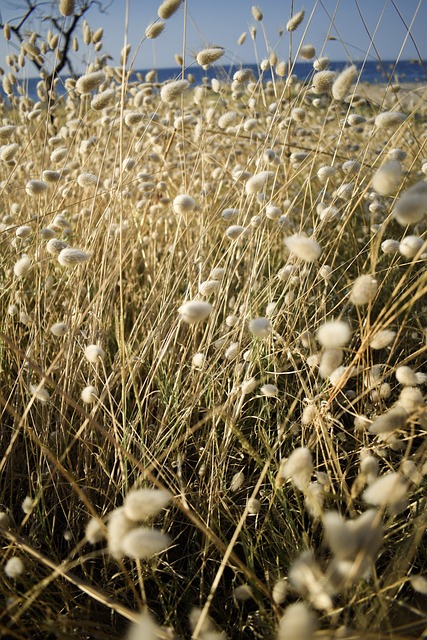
(213, 354)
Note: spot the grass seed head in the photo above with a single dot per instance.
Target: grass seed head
(342, 83)
(390, 490)
(323, 81)
(199, 360)
(89, 394)
(382, 339)
(208, 56)
(260, 327)
(142, 504)
(154, 29)
(363, 290)
(22, 267)
(94, 353)
(171, 91)
(102, 100)
(117, 527)
(142, 543)
(295, 21)
(183, 203)
(70, 257)
(258, 182)
(298, 468)
(89, 82)
(66, 8)
(14, 567)
(406, 376)
(410, 246)
(54, 246)
(387, 178)
(333, 334)
(59, 329)
(389, 421)
(389, 119)
(195, 311)
(40, 393)
(411, 207)
(168, 8)
(304, 248)
(269, 390)
(297, 623)
(95, 531)
(36, 187)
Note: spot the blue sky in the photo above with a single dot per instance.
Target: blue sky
(222, 21)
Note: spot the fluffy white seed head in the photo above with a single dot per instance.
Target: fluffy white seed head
(95, 530)
(144, 627)
(168, 8)
(390, 246)
(342, 83)
(89, 394)
(411, 207)
(406, 376)
(280, 590)
(260, 327)
(234, 231)
(117, 527)
(298, 468)
(307, 52)
(87, 180)
(183, 203)
(154, 29)
(363, 290)
(36, 187)
(171, 91)
(389, 421)
(331, 359)
(14, 567)
(59, 329)
(89, 82)
(410, 246)
(54, 246)
(142, 504)
(141, 543)
(269, 390)
(195, 311)
(382, 339)
(258, 182)
(248, 386)
(94, 353)
(199, 360)
(304, 248)
(294, 22)
(209, 287)
(390, 490)
(40, 393)
(209, 55)
(410, 398)
(297, 623)
(237, 481)
(22, 266)
(389, 119)
(102, 100)
(70, 257)
(333, 334)
(387, 178)
(419, 583)
(323, 81)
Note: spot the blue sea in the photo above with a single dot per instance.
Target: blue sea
(372, 72)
